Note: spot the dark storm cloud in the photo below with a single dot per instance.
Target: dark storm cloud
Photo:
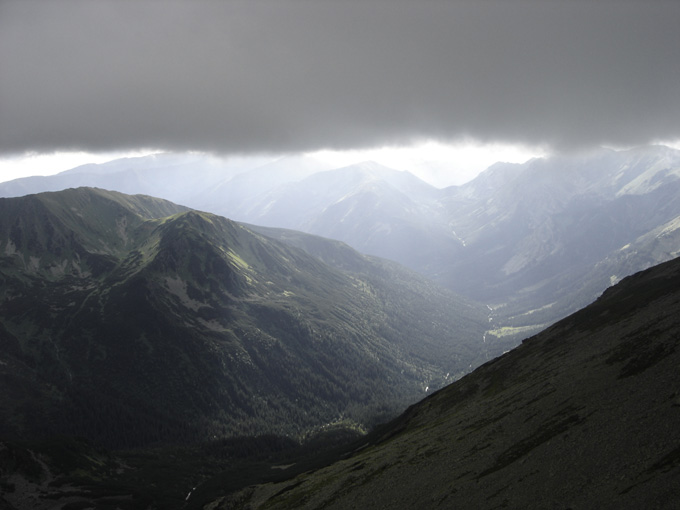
(300, 75)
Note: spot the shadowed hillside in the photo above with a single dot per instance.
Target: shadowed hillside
(131, 321)
(583, 415)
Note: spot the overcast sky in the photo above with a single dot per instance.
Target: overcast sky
(288, 76)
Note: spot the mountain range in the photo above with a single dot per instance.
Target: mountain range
(533, 241)
(132, 321)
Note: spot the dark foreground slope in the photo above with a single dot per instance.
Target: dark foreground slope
(583, 415)
(131, 321)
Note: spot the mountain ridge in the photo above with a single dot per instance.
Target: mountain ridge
(234, 332)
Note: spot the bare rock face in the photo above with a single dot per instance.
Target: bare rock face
(583, 415)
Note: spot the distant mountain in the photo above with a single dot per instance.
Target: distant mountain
(545, 238)
(583, 415)
(375, 209)
(156, 174)
(130, 320)
(533, 241)
(179, 177)
(236, 195)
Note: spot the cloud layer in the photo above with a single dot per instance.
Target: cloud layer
(291, 75)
